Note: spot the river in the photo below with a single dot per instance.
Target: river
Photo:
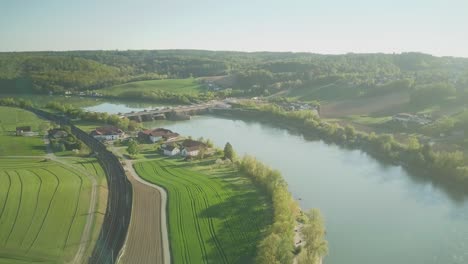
(374, 213)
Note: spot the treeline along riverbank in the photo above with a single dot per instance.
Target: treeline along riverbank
(448, 169)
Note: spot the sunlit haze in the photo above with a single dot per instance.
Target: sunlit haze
(437, 27)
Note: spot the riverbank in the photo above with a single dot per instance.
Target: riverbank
(447, 169)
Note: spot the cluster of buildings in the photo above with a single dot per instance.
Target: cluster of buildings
(173, 144)
(406, 119)
(87, 93)
(299, 106)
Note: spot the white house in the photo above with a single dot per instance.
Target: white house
(107, 133)
(171, 150)
(191, 148)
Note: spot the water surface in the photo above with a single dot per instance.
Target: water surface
(374, 213)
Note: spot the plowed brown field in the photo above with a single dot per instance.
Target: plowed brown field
(144, 239)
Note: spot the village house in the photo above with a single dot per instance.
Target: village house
(157, 135)
(22, 129)
(25, 131)
(57, 133)
(170, 150)
(107, 133)
(192, 148)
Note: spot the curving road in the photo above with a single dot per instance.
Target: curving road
(147, 239)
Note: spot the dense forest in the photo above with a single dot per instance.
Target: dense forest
(257, 73)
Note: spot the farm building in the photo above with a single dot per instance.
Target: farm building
(57, 133)
(191, 148)
(157, 134)
(171, 150)
(22, 129)
(25, 131)
(107, 133)
(171, 137)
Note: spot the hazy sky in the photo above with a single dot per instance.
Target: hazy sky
(439, 27)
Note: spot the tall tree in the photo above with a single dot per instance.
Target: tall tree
(229, 152)
(133, 148)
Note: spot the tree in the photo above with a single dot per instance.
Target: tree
(133, 148)
(268, 250)
(314, 235)
(350, 132)
(229, 152)
(413, 144)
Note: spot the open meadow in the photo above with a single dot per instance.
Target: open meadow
(10, 144)
(214, 214)
(181, 86)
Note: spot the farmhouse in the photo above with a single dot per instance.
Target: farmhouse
(57, 133)
(22, 129)
(171, 150)
(157, 135)
(25, 131)
(191, 148)
(171, 136)
(107, 133)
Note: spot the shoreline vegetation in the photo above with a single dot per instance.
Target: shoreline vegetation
(276, 246)
(447, 168)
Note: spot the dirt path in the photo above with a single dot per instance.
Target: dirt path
(147, 239)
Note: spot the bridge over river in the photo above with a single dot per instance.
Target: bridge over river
(179, 112)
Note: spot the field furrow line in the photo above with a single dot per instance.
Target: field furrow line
(179, 208)
(76, 209)
(17, 208)
(195, 184)
(7, 195)
(35, 208)
(47, 211)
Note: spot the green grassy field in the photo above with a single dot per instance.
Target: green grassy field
(13, 145)
(182, 86)
(215, 216)
(43, 209)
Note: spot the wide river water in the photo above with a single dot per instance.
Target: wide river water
(374, 213)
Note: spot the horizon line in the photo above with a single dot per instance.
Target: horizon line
(239, 51)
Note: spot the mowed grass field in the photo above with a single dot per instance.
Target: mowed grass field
(43, 204)
(12, 145)
(182, 86)
(214, 216)
(43, 209)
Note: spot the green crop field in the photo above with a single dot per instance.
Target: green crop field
(183, 86)
(215, 217)
(13, 145)
(43, 209)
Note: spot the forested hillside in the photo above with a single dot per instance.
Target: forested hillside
(302, 75)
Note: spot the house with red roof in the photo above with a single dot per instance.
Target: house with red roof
(107, 133)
